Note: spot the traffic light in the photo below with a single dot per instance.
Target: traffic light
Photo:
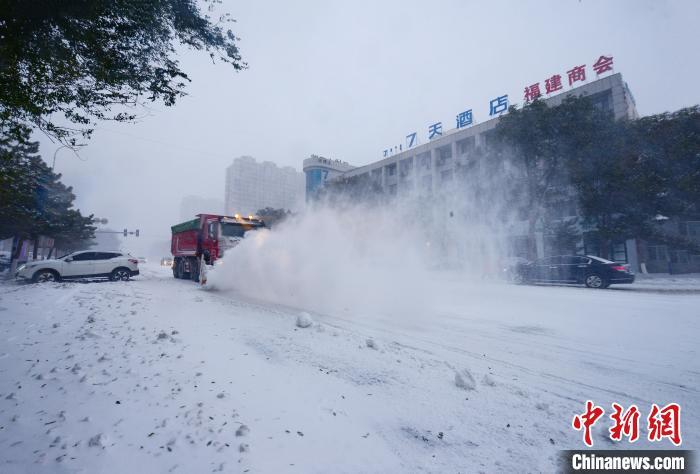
(137, 233)
(126, 232)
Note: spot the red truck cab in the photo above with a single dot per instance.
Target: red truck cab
(207, 235)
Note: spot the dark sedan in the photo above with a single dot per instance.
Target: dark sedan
(594, 272)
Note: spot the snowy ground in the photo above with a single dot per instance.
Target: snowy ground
(157, 375)
(686, 282)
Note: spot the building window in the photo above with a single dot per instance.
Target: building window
(679, 256)
(427, 183)
(391, 169)
(406, 167)
(424, 161)
(392, 189)
(488, 138)
(466, 146)
(693, 229)
(602, 100)
(619, 252)
(657, 253)
(444, 154)
(446, 176)
(592, 245)
(562, 209)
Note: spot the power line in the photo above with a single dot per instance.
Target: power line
(167, 144)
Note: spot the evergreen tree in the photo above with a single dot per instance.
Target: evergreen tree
(531, 139)
(78, 61)
(33, 202)
(628, 175)
(272, 216)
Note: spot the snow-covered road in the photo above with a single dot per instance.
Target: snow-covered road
(158, 375)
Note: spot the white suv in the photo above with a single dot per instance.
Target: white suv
(85, 264)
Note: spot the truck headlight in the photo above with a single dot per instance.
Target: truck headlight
(21, 267)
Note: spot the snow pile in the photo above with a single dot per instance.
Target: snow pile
(304, 320)
(242, 430)
(488, 380)
(464, 379)
(97, 441)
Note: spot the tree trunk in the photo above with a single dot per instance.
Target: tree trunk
(50, 253)
(35, 252)
(14, 255)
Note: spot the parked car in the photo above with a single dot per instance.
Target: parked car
(166, 262)
(84, 264)
(594, 272)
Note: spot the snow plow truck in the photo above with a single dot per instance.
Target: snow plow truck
(207, 237)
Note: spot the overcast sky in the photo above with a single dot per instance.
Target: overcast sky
(349, 79)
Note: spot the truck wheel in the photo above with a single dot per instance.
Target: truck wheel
(176, 268)
(184, 274)
(181, 268)
(194, 270)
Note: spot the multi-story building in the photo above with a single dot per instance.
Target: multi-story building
(428, 168)
(432, 164)
(251, 186)
(190, 206)
(319, 169)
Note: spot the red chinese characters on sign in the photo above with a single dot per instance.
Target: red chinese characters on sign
(577, 74)
(553, 84)
(626, 423)
(532, 92)
(662, 422)
(604, 63)
(586, 420)
(665, 423)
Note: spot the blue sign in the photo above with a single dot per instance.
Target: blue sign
(465, 119)
(499, 105)
(435, 130)
(411, 139)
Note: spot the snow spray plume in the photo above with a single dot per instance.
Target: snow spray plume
(381, 256)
